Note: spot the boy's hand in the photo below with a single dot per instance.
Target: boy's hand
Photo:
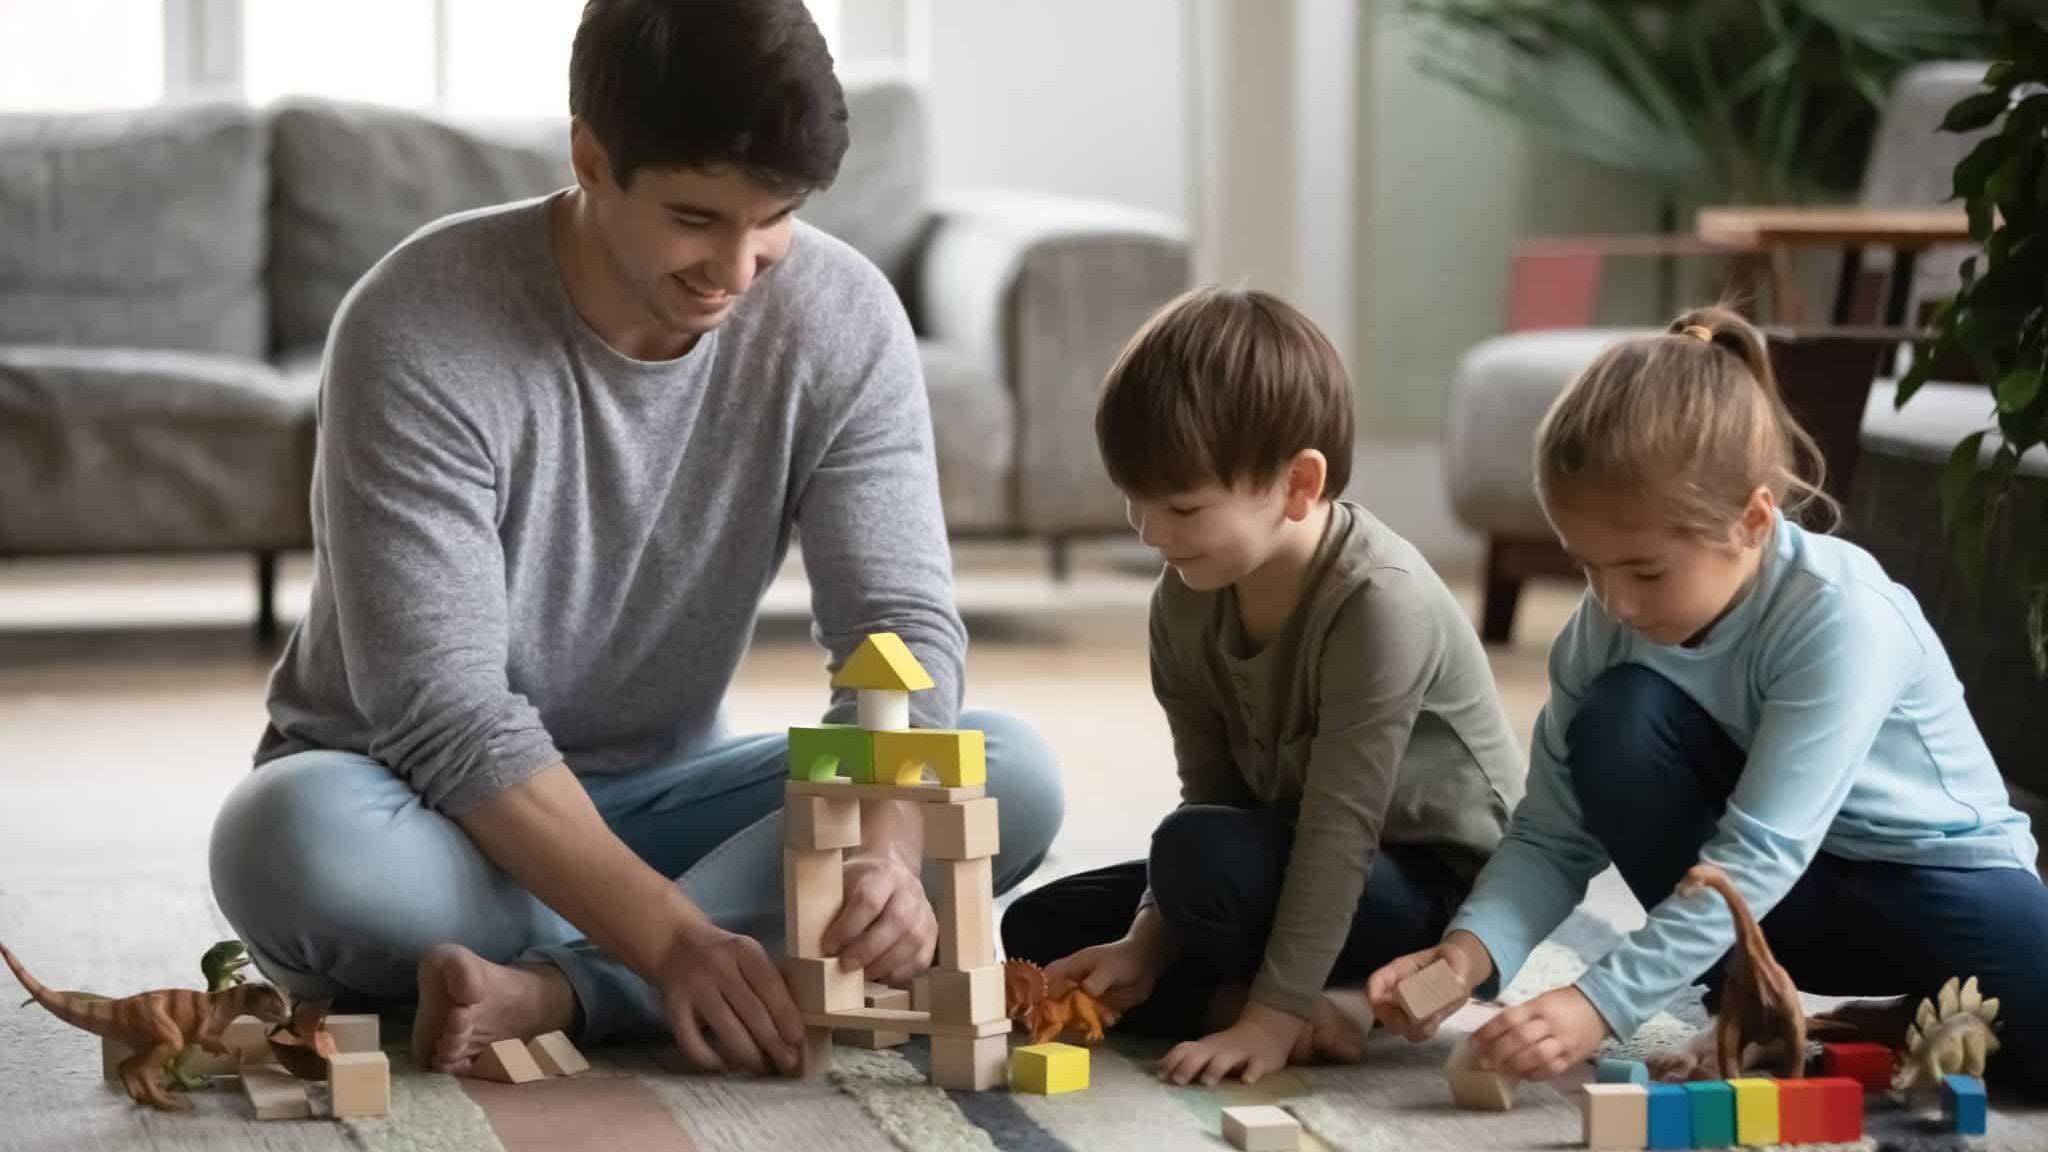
(1539, 1039)
(1257, 1044)
(1120, 975)
(1468, 959)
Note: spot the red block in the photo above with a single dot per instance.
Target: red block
(1841, 1109)
(1868, 1064)
(1802, 1117)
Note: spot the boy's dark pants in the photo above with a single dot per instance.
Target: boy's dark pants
(1216, 874)
(1653, 772)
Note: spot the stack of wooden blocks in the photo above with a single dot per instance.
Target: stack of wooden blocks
(359, 1074)
(832, 769)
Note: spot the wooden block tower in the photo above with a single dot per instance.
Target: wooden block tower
(831, 770)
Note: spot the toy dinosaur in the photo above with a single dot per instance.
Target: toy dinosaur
(1950, 1037)
(304, 1045)
(1759, 1002)
(221, 967)
(1028, 999)
(155, 1025)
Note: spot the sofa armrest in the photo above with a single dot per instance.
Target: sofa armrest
(1046, 290)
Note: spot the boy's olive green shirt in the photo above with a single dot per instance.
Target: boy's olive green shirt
(1373, 713)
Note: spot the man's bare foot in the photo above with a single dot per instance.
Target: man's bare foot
(1337, 1028)
(468, 1003)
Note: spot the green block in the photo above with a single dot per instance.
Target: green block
(829, 751)
(1713, 1113)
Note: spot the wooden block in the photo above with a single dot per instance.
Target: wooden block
(814, 823)
(817, 1054)
(913, 793)
(1802, 1112)
(968, 997)
(1756, 1110)
(1868, 1064)
(878, 996)
(921, 993)
(813, 888)
(957, 758)
(828, 751)
(274, 1093)
(821, 985)
(964, 831)
(1713, 1113)
(1841, 1109)
(1261, 1128)
(556, 1056)
(899, 1020)
(1963, 1108)
(969, 1064)
(1670, 1117)
(1617, 1116)
(1049, 1069)
(882, 710)
(1429, 991)
(882, 661)
(250, 1038)
(1621, 1072)
(1473, 1090)
(507, 1062)
(360, 1083)
(355, 1033)
(964, 898)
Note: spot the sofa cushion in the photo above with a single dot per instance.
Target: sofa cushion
(1934, 421)
(974, 433)
(352, 180)
(878, 202)
(125, 450)
(135, 229)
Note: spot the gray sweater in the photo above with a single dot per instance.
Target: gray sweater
(531, 548)
(1372, 714)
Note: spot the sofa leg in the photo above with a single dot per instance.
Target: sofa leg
(1061, 555)
(266, 596)
(1503, 588)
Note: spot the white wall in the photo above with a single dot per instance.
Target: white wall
(1084, 97)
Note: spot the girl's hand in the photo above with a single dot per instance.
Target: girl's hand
(1468, 959)
(1539, 1039)
(1257, 1044)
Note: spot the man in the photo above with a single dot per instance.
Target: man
(564, 446)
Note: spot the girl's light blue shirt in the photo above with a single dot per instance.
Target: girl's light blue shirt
(1859, 743)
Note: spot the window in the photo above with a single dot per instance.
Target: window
(376, 50)
(80, 55)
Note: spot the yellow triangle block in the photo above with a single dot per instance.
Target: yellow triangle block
(882, 662)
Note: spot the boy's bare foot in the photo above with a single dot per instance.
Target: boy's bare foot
(468, 1003)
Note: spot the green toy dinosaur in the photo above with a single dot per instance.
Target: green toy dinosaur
(222, 966)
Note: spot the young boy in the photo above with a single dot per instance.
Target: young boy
(1345, 767)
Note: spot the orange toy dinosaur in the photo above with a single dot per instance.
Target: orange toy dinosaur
(156, 1025)
(1759, 1002)
(1028, 999)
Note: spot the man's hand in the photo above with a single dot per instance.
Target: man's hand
(1120, 975)
(1541, 1038)
(1257, 1044)
(886, 925)
(725, 983)
(1468, 959)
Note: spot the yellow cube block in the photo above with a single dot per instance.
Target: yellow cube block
(1756, 1111)
(959, 758)
(1049, 1069)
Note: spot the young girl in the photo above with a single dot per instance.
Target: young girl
(1739, 690)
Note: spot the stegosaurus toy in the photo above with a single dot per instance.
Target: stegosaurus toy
(1028, 999)
(1949, 1036)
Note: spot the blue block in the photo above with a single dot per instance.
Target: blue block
(1670, 1116)
(1962, 1104)
(1713, 1113)
(1622, 1072)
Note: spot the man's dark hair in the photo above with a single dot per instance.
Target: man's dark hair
(704, 83)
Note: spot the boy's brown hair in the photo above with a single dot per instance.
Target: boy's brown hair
(1226, 386)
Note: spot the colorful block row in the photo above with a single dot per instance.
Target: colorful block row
(959, 758)
(1720, 1113)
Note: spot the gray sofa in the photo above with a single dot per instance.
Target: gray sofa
(167, 278)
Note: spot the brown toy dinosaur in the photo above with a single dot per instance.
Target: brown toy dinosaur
(1028, 999)
(156, 1025)
(1759, 1002)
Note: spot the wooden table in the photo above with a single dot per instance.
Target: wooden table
(1777, 231)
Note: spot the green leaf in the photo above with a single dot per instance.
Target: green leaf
(1974, 169)
(1995, 76)
(1974, 111)
(1959, 475)
(2018, 389)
